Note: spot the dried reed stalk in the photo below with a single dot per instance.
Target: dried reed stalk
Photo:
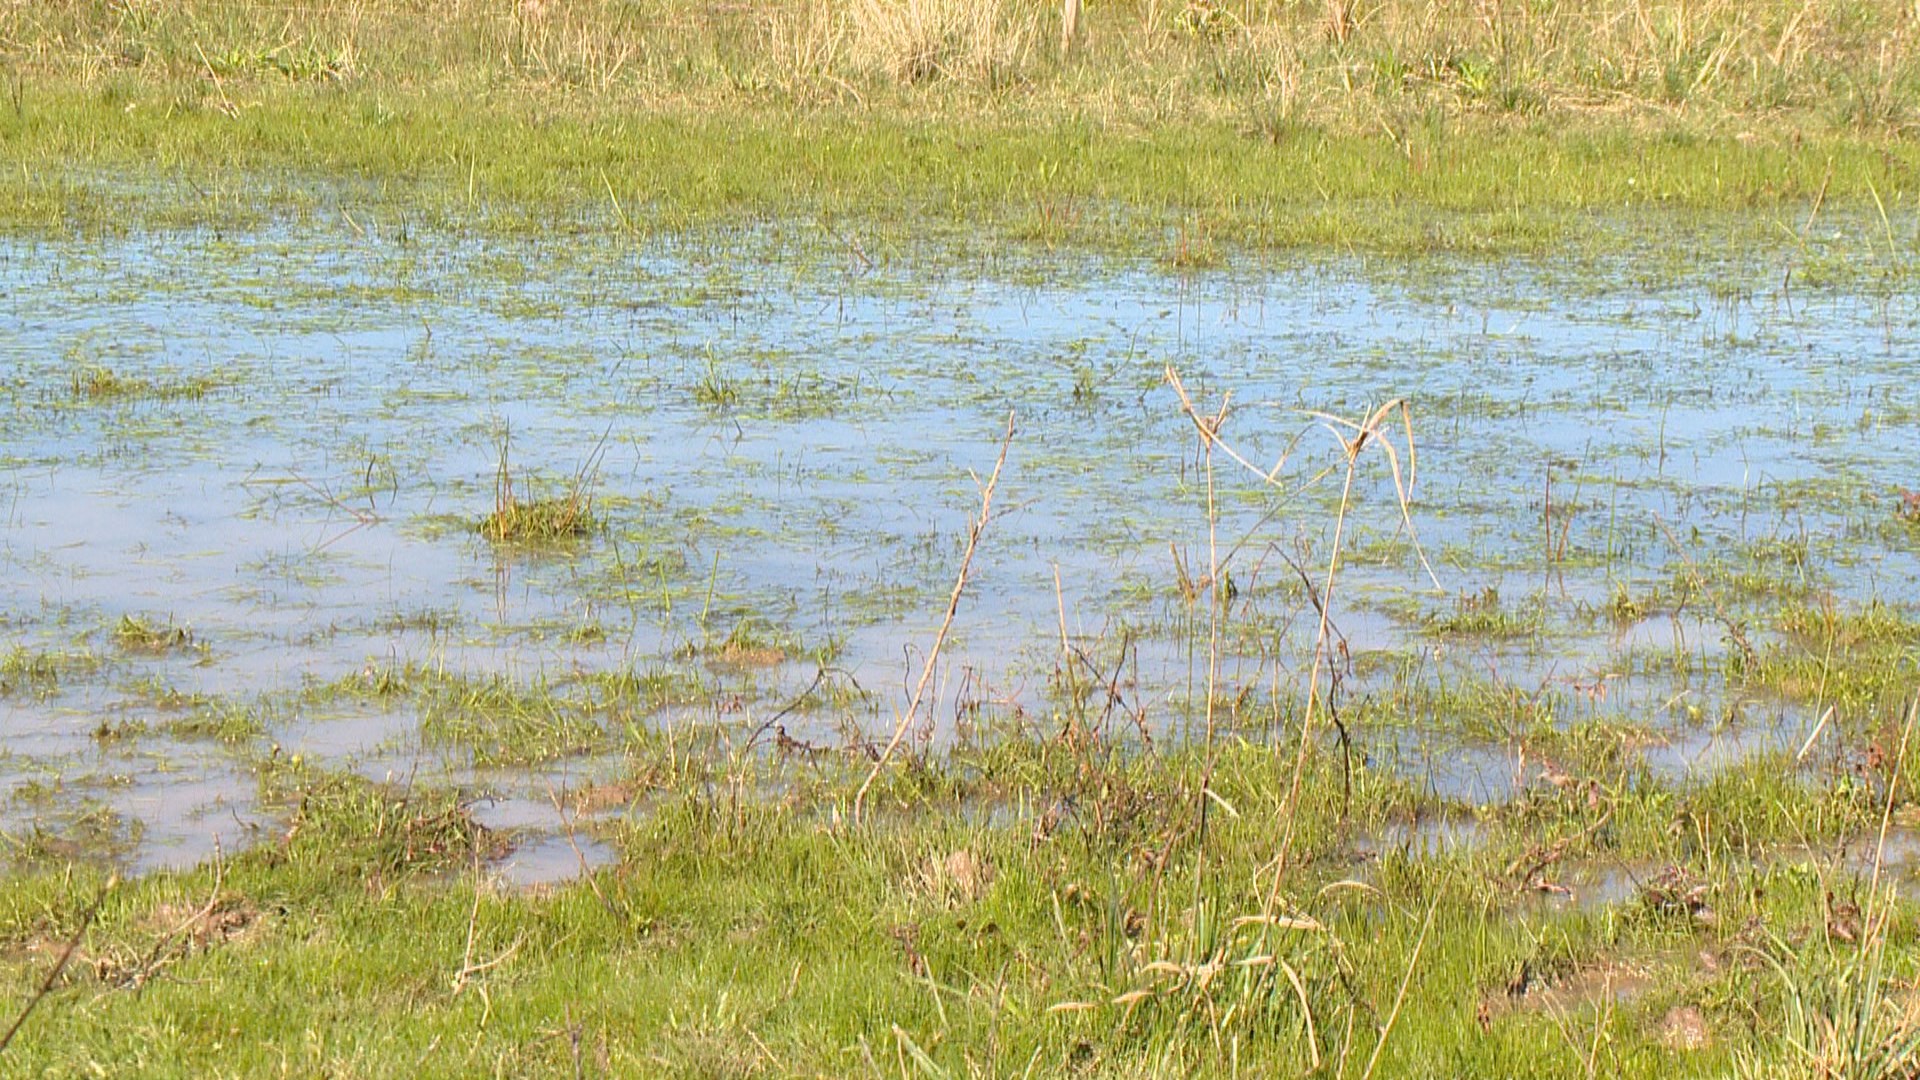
(940, 639)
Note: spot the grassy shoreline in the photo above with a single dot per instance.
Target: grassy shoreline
(1474, 187)
(1116, 914)
(1417, 127)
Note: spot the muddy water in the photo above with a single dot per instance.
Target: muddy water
(783, 450)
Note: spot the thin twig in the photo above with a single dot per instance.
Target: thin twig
(1400, 998)
(59, 966)
(1886, 818)
(1372, 428)
(940, 639)
(586, 870)
(159, 957)
(819, 676)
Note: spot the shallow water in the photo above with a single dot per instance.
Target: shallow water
(785, 450)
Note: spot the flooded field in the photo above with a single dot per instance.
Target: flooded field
(253, 482)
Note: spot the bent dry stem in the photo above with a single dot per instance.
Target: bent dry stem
(946, 623)
(1370, 428)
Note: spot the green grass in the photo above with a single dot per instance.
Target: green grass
(1488, 188)
(139, 634)
(1481, 615)
(1043, 895)
(538, 521)
(1417, 131)
(1012, 902)
(102, 384)
(1093, 925)
(24, 669)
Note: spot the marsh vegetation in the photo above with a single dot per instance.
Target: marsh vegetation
(1168, 130)
(905, 538)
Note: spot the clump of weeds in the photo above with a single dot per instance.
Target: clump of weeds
(750, 645)
(137, 634)
(1481, 614)
(541, 521)
(26, 670)
(1624, 608)
(344, 824)
(98, 383)
(218, 721)
(63, 835)
(1909, 508)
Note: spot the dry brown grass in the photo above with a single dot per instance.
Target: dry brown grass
(984, 42)
(1335, 61)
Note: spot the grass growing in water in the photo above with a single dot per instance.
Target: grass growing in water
(558, 519)
(137, 634)
(103, 384)
(1020, 906)
(42, 671)
(1088, 923)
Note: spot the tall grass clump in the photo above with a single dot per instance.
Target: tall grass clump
(1845, 1010)
(526, 519)
(1844, 1013)
(1347, 65)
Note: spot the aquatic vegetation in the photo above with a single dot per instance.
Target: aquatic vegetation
(1088, 884)
(138, 634)
(222, 721)
(42, 671)
(558, 519)
(103, 384)
(715, 391)
(1482, 615)
(1237, 743)
(538, 521)
(1909, 509)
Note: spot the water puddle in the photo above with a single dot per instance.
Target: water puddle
(235, 486)
(550, 846)
(150, 811)
(189, 811)
(1602, 986)
(1590, 885)
(1897, 856)
(544, 859)
(358, 741)
(1428, 838)
(1694, 751)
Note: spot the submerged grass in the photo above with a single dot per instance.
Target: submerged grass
(1482, 615)
(1050, 896)
(139, 634)
(1078, 891)
(538, 521)
(27, 670)
(99, 384)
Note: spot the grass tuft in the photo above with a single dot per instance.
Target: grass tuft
(538, 521)
(97, 383)
(136, 634)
